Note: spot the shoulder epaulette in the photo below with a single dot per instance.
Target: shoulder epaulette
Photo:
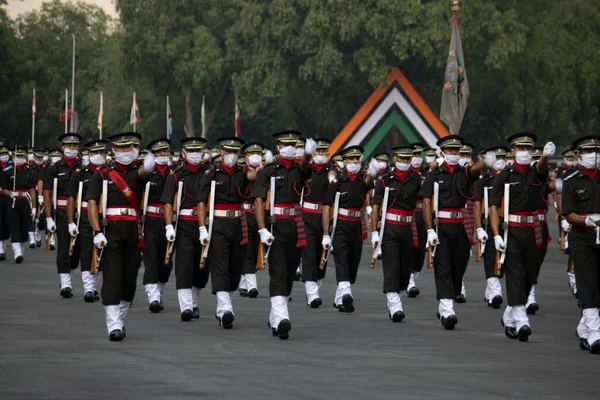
(571, 176)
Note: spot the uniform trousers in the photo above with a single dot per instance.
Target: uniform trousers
(155, 250)
(420, 251)
(397, 257)
(187, 263)
(347, 250)
(311, 253)
(284, 258)
(520, 266)
(225, 254)
(64, 263)
(586, 259)
(251, 254)
(451, 259)
(20, 221)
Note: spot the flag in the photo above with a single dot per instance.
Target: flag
(203, 112)
(238, 122)
(135, 112)
(169, 118)
(101, 112)
(33, 103)
(456, 87)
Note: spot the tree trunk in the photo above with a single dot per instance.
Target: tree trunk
(189, 114)
(220, 98)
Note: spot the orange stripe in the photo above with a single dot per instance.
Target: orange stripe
(434, 122)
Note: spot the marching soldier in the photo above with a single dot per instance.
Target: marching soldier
(37, 167)
(581, 207)
(5, 201)
(229, 230)
(189, 278)
(284, 178)
(417, 167)
(400, 188)
(430, 159)
(351, 228)
(120, 185)
(175, 158)
(82, 233)
(156, 272)
(520, 185)
(569, 166)
(248, 286)
(496, 163)
(60, 173)
(453, 184)
(22, 210)
(312, 214)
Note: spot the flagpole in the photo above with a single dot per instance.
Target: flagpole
(135, 116)
(33, 121)
(167, 116)
(203, 116)
(101, 116)
(73, 85)
(66, 110)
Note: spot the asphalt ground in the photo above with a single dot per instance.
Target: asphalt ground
(52, 348)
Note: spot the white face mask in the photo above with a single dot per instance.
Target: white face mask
(500, 165)
(30, 157)
(230, 159)
(193, 158)
(255, 160)
(589, 160)
(39, 162)
(97, 160)
(320, 160)
(175, 159)
(299, 152)
(85, 161)
(569, 163)
(523, 157)
(162, 160)
(287, 152)
(429, 159)
(464, 161)
(416, 162)
(451, 159)
(124, 157)
(55, 159)
(45, 158)
(509, 163)
(70, 153)
(353, 168)
(136, 152)
(341, 164)
(4, 158)
(381, 165)
(19, 161)
(403, 166)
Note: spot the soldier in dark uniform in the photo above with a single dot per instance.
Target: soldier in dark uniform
(21, 188)
(524, 237)
(6, 166)
(85, 235)
(399, 234)
(312, 214)
(156, 273)
(175, 155)
(230, 228)
(351, 229)
(63, 169)
(37, 167)
(122, 238)
(288, 236)
(496, 162)
(248, 286)
(453, 247)
(569, 167)
(581, 208)
(189, 278)
(417, 167)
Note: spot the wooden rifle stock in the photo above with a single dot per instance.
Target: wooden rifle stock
(497, 264)
(95, 259)
(373, 258)
(48, 238)
(71, 246)
(323, 262)
(202, 259)
(555, 215)
(168, 253)
(562, 239)
(260, 258)
(478, 252)
(429, 257)
(572, 268)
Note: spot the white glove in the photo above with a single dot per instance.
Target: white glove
(590, 222)
(33, 212)
(268, 157)
(310, 147)
(369, 210)
(149, 162)
(170, 233)
(556, 205)
(499, 243)
(203, 235)
(100, 240)
(265, 236)
(481, 235)
(50, 225)
(490, 159)
(373, 168)
(564, 224)
(326, 242)
(41, 200)
(549, 149)
(432, 238)
(374, 239)
(73, 229)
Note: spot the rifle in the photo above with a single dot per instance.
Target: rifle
(104, 199)
(271, 207)
(497, 265)
(382, 229)
(170, 245)
(211, 220)
(54, 194)
(79, 196)
(430, 250)
(506, 215)
(429, 257)
(325, 253)
(260, 258)
(478, 251)
(145, 197)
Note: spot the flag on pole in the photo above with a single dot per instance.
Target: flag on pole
(456, 87)
(169, 119)
(238, 122)
(101, 112)
(135, 112)
(203, 114)
(33, 103)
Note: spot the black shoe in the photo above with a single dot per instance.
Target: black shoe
(88, 297)
(124, 332)
(316, 303)
(116, 336)
(532, 308)
(460, 299)
(397, 317)
(162, 306)
(524, 333)
(348, 303)
(297, 276)
(66, 293)
(187, 315)
(576, 295)
(243, 292)
(52, 247)
(253, 293)
(496, 302)
(196, 313)
(437, 314)
(595, 347)
(96, 295)
(413, 292)
(19, 259)
(583, 343)
(511, 332)
(450, 322)
(2, 256)
(226, 321)
(154, 307)
(32, 245)
(283, 329)
(38, 243)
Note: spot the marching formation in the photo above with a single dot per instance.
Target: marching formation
(224, 212)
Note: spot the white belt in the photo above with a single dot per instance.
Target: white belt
(155, 210)
(19, 194)
(542, 217)
(228, 213)
(349, 213)
(449, 214)
(312, 206)
(521, 219)
(398, 218)
(284, 211)
(248, 206)
(61, 203)
(419, 205)
(121, 211)
(84, 204)
(189, 212)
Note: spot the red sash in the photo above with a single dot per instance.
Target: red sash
(132, 199)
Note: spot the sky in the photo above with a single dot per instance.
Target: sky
(16, 7)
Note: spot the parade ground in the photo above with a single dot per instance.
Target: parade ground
(53, 348)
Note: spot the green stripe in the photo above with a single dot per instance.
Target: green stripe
(393, 119)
